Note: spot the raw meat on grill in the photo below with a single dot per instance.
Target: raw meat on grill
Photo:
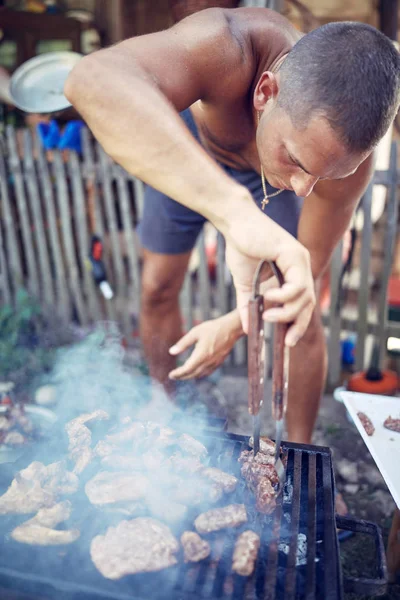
(392, 424)
(245, 553)
(194, 547)
(184, 464)
(226, 482)
(110, 488)
(232, 515)
(366, 423)
(137, 546)
(36, 487)
(192, 446)
(40, 530)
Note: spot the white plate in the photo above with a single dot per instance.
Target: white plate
(384, 445)
(37, 86)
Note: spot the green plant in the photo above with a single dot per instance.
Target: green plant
(21, 326)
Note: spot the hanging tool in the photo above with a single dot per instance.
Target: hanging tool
(280, 371)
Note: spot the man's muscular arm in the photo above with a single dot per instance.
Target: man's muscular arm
(327, 213)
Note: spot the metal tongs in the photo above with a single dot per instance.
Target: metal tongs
(280, 368)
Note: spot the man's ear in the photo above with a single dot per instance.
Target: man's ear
(266, 89)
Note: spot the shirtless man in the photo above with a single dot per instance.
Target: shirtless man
(250, 89)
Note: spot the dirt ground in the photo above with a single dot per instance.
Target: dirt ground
(357, 476)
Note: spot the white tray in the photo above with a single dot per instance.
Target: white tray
(384, 445)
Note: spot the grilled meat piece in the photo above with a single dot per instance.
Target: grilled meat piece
(259, 458)
(196, 491)
(191, 446)
(184, 464)
(265, 497)
(83, 459)
(392, 424)
(253, 472)
(366, 423)
(194, 547)
(260, 474)
(137, 546)
(111, 488)
(40, 529)
(36, 487)
(245, 553)
(13, 438)
(134, 432)
(166, 510)
(224, 480)
(5, 424)
(103, 449)
(267, 446)
(80, 438)
(232, 515)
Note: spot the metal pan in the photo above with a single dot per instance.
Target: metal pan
(37, 85)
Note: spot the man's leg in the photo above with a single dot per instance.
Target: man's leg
(308, 367)
(160, 318)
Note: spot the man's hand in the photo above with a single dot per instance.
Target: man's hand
(213, 341)
(253, 237)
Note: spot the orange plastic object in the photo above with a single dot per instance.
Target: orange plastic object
(394, 291)
(387, 384)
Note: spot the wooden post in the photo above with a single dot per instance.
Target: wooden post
(73, 277)
(13, 248)
(62, 305)
(38, 220)
(82, 235)
(27, 239)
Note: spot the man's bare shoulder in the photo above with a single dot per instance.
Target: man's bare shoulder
(258, 30)
(263, 30)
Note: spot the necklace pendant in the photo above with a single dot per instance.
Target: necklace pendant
(264, 202)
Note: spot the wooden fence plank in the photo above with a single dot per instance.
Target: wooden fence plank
(204, 286)
(121, 288)
(68, 241)
(6, 296)
(33, 283)
(62, 305)
(334, 350)
(222, 288)
(38, 220)
(132, 249)
(139, 196)
(98, 225)
(363, 291)
(389, 245)
(13, 250)
(186, 301)
(82, 235)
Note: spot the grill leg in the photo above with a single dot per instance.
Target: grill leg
(393, 547)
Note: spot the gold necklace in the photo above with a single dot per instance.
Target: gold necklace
(264, 186)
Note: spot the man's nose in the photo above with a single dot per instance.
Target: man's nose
(303, 184)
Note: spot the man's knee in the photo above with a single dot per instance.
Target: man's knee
(161, 284)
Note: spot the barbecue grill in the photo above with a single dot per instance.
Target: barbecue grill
(298, 557)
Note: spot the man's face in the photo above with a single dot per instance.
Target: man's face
(297, 159)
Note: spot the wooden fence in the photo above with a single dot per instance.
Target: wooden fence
(52, 204)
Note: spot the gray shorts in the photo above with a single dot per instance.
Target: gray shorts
(167, 227)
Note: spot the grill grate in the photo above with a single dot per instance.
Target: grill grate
(298, 556)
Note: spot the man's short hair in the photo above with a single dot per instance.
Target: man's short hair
(348, 73)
